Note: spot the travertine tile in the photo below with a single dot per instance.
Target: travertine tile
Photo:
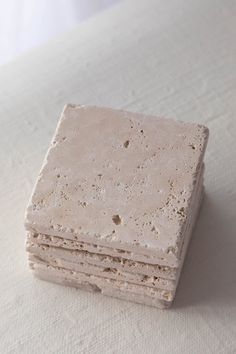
(120, 180)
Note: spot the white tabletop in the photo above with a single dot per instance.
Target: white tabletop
(170, 58)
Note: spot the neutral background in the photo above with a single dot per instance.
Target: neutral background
(173, 58)
(26, 24)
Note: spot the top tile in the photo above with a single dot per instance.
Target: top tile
(118, 179)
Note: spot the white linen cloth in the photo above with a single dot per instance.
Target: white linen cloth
(170, 58)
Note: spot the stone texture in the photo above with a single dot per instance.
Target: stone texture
(102, 283)
(50, 263)
(118, 293)
(119, 179)
(105, 272)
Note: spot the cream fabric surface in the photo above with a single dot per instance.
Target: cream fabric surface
(170, 58)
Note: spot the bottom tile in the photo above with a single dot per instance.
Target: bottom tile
(109, 291)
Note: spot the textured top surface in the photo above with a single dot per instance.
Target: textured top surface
(117, 176)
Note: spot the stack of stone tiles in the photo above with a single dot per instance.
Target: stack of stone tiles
(115, 203)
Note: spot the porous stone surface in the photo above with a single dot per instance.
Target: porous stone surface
(118, 179)
(123, 294)
(102, 283)
(104, 272)
(69, 264)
